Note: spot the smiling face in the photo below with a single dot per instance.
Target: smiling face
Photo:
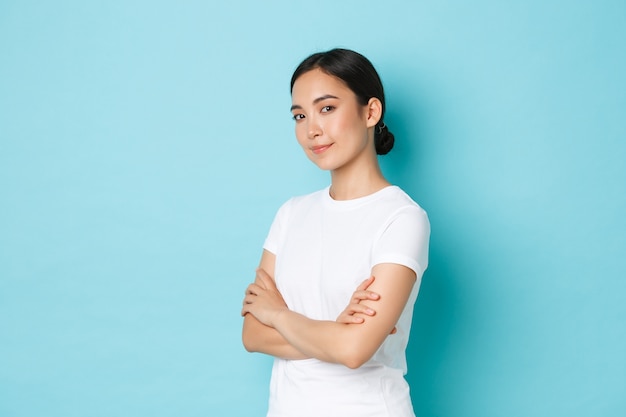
(333, 128)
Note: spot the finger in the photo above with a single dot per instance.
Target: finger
(245, 309)
(359, 308)
(363, 286)
(248, 299)
(351, 320)
(363, 309)
(364, 295)
(347, 318)
(254, 289)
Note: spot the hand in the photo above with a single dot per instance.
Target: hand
(263, 300)
(347, 316)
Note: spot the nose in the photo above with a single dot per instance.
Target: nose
(313, 128)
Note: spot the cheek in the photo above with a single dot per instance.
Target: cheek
(300, 132)
(347, 122)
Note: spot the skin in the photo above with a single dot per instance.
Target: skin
(337, 134)
(343, 125)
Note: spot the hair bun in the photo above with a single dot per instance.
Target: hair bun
(383, 139)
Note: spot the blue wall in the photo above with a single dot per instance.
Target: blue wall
(145, 146)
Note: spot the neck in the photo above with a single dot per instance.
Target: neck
(353, 182)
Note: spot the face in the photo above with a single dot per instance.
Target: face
(334, 130)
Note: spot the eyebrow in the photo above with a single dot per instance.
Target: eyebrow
(317, 100)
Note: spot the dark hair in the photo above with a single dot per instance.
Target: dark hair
(358, 73)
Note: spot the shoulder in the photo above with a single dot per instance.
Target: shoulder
(302, 203)
(404, 236)
(305, 201)
(397, 203)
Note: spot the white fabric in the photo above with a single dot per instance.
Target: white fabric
(324, 249)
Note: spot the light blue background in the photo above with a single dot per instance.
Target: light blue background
(145, 146)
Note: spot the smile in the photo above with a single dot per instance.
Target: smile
(320, 149)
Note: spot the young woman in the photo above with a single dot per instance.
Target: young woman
(339, 341)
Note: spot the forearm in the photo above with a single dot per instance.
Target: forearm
(270, 327)
(258, 337)
(351, 344)
(327, 341)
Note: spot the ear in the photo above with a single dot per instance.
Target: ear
(374, 112)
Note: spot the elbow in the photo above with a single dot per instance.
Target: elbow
(354, 363)
(247, 346)
(248, 343)
(250, 335)
(356, 357)
(355, 349)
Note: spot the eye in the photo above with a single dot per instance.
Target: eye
(327, 109)
(298, 117)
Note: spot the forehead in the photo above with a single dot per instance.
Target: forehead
(316, 83)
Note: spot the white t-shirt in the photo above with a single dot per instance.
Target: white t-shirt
(324, 249)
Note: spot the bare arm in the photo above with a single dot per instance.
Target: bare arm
(329, 341)
(258, 337)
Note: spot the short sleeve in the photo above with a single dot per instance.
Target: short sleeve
(404, 240)
(277, 229)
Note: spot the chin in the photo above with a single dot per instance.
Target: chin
(324, 165)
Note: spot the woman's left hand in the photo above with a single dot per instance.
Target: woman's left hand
(347, 316)
(263, 300)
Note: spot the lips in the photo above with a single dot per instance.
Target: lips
(320, 148)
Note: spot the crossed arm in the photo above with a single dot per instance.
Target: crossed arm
(270, 327)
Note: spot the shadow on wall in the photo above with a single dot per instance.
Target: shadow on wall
(433, 324)
(411, 118)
